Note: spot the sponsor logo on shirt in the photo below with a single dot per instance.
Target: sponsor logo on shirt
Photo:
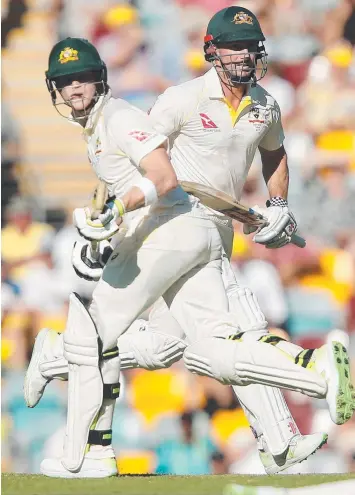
(207, 122)
(140, 135)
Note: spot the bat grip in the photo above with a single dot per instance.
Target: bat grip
(298, 241)
(95, 245)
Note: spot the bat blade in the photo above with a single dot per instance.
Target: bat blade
(220, 201)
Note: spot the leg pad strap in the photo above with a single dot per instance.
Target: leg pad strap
(111, 390)
(100, 437)
(110, 354)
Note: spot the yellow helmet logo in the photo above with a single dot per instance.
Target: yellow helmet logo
(67, 55)
(242, 18)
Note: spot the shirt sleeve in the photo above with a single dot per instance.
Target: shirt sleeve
(134, 134)
(167, 114)
(274, 137)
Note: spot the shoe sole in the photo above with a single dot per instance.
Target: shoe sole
(296, 460)
(33, 366)
(343, 388)
(85, 474)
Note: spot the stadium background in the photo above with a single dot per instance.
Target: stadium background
(171, 421)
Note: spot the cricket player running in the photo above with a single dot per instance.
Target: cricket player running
(177, 250)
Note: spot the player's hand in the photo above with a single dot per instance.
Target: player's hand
(86, 264)
(103, 227)
(280, 227)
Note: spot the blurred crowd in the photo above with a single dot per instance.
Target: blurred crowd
(171, 421)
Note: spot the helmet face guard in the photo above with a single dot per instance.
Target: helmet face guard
(248, 69)
(65, 107)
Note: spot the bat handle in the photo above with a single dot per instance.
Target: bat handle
(298, 241)
(95, 249)
(95, 245)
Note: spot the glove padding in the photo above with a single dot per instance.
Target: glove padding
(87, 265)
(279, 229)
(102, 228)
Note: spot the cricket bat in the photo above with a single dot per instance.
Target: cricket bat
(220, 201)
(98, 202)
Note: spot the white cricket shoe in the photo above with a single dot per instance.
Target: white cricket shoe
(35, 380)
(299, 449)
(332, 362)
(94, 466)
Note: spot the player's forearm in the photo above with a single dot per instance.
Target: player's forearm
(160, 172)
(275, 172)
(133, 199)
(278, 182)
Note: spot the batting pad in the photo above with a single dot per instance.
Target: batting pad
(237, 363)
(268, 413)
(149, 350)
(243, 303)
(85, 388)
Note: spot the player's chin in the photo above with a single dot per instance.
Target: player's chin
(78, 105)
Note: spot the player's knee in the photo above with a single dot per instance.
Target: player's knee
(214, 357)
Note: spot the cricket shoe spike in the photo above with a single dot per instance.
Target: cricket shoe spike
(299, 449)
(44, 366)
(332, 362)
(96, 464)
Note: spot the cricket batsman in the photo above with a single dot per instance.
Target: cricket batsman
(179, 249)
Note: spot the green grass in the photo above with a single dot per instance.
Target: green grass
(21, 484)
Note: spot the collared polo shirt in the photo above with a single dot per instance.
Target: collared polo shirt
(210, 142)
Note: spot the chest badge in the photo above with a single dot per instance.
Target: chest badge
(256, 118)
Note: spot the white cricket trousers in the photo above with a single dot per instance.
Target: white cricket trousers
(178, 257)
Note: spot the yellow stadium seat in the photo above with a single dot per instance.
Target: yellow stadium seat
(161, 392)
(224, 423)
(16, 319)
(341, 292)
(7, 349)
(241, 247)
(338, 265)
(135, 462)
(337, 140)
(55, 322)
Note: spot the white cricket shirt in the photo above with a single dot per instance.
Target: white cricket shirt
(210, 142)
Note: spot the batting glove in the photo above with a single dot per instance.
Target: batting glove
(88, 265)
(103, 227)
(280, 227)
